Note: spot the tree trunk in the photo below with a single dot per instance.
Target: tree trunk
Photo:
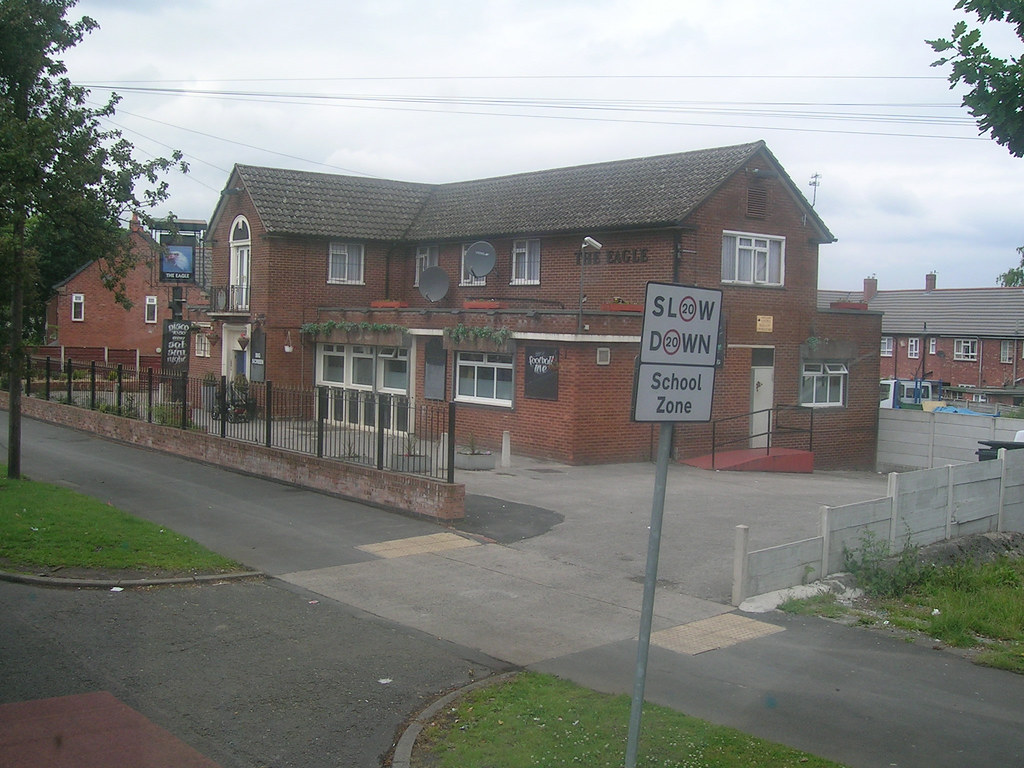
(17, 350)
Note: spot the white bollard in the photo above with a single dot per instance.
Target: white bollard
(506, 449)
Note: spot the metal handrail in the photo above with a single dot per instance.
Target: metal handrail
(779, 429)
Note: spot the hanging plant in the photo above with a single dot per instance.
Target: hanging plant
(478, 333)
(327, 327)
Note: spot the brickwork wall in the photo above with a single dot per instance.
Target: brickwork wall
(987, 371)
(389, 490)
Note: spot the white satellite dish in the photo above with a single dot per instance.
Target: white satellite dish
(433, 284)
(480, 258)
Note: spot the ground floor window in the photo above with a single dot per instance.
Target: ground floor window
(363, 366)
(484, 378)
(823, 384)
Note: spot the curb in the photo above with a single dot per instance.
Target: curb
(403, 750)
(53, 581)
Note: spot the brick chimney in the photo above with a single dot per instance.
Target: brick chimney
(870, 287)
(929, 281)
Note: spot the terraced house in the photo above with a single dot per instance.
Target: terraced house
(519, 298)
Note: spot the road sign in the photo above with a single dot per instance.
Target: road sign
(680, 324)
(675, 374)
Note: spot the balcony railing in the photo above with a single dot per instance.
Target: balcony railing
(229, 298)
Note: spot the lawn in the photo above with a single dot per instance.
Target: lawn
(48, 527)
(539, 720)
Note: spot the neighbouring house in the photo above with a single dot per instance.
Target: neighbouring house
(970, 339)
(493, 294)
(83, 314)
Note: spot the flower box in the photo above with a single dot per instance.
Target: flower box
(480, 460)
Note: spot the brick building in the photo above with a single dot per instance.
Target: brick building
(84, 314)
(373, 285)
(970, 339)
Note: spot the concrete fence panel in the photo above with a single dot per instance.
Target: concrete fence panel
(849, 526)
(909, 440)
(781, 567)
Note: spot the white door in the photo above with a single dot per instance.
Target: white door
(762, 395)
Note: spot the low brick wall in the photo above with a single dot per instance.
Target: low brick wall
(389, 490)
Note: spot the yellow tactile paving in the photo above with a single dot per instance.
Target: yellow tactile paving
(418, 545)
(710, 634)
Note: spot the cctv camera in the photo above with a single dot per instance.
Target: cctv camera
(589, 242)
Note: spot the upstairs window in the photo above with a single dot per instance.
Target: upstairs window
(240, 250)
(345, 263)
(887, 346)
(965, 349)
(467, 276)
(913, 348)
(78, 307)
(753, 259)
(526, 262)
(426, 257)
(1006, 351)
(151, 309)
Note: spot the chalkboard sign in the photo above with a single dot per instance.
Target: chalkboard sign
(541, 380)
(175, 346)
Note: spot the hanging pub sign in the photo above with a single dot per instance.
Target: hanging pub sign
(177, 259)
(541, 381)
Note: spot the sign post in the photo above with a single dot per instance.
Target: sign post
(675, 381)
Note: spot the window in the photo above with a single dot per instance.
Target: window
(240, 244)
(965, 349)
(485, 378)
(362, 366)
(151, 309)
(1006, 350)
(931, 346)
(345, 263)
(426, 257)
(202, 348)
(78, 307)
(913, 348)
(887, 346)
(467, 276)
(823, 384)
(526, 262)
(393, 369)
(753, 259)
(332, 364)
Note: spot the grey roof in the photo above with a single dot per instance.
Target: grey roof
(990, 312)
(649, 191)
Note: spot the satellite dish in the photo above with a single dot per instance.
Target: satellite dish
(433, 283)
(480, 258)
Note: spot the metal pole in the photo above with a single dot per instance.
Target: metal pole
(650, 582)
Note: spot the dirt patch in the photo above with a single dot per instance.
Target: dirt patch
(977, 548)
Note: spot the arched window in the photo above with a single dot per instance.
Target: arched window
(240, 245)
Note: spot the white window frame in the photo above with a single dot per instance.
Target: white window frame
(753, 259)
(887, 346)
(240, 248)
(833, 377)
(526, 261)
(467, 276)
(913, 348)
(152, 311)
(387, 356)
(202, 344)
(931, 345)
(349, 353)
(345, 263)
(480, 363)
(77, 307)
(1006, 348)
(965, 349)
(426, 256)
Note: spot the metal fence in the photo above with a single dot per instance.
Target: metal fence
(381, 430)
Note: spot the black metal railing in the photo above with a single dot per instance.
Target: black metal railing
(383, 430)
(784, 423)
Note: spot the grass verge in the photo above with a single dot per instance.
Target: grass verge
(540, 720)
(46, 526)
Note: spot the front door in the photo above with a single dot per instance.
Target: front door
(762, 395)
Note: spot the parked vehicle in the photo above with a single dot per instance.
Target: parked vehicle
(908, 393)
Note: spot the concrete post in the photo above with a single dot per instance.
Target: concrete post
(506, 449)
(739, 564)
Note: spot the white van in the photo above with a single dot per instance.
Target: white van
(904, 393)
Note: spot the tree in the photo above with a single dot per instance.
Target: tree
(996, 95)
(1014, 277)
(61, 175)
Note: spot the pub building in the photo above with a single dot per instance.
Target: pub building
(520, 298)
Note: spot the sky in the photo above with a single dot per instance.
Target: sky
(841, 91)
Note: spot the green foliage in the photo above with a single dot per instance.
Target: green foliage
(878, 572)
(329, 326)
(996, 85)
(1014, 277)
(460, 332)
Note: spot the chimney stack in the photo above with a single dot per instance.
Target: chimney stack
(929, 281)
(870, 287)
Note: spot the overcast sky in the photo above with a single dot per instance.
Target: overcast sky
(451, 90)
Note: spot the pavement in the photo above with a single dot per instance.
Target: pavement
(546, 573)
